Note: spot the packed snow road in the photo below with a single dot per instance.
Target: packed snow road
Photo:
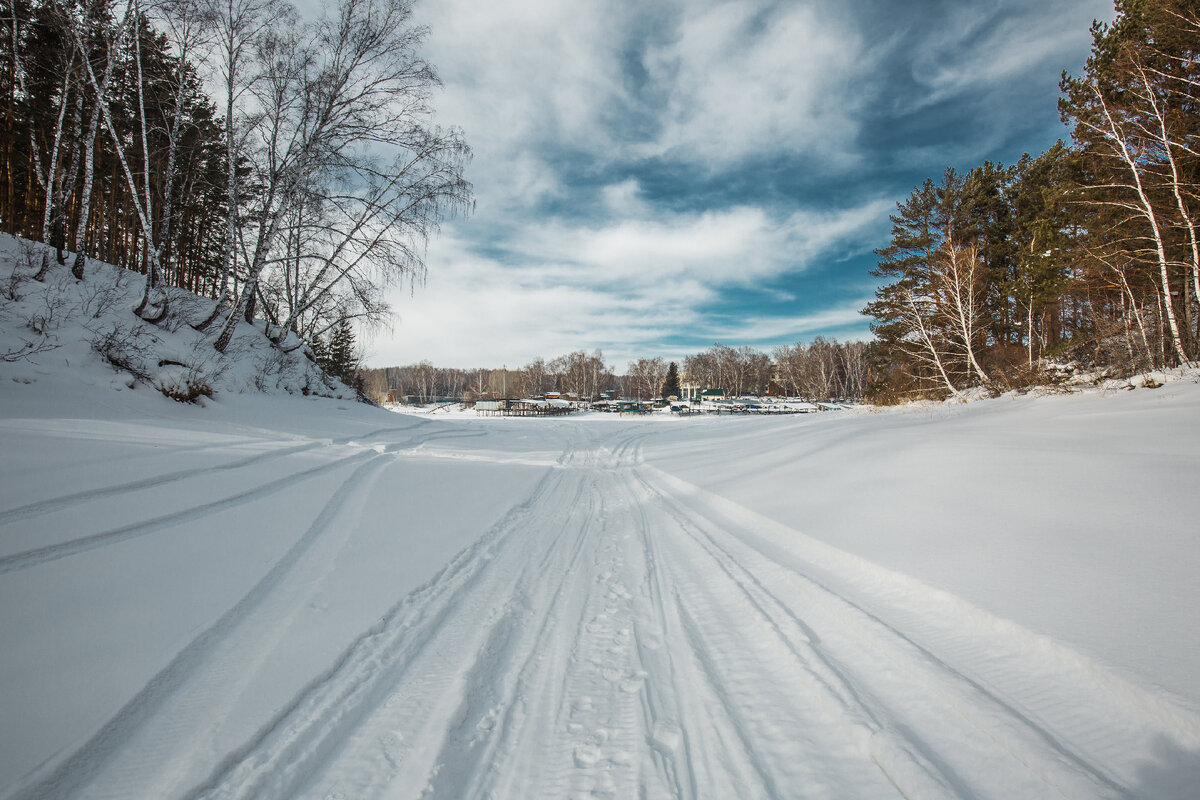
(507, 609)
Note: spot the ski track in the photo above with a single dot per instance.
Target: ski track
(169, 521)
(607, 639)
(256, 492)
(117, 743)
(62, 501)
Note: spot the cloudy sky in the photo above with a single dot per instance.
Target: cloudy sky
(654, 177)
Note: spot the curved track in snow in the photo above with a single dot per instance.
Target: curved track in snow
(617, 633)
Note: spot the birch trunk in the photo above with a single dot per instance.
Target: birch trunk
(1147, 208)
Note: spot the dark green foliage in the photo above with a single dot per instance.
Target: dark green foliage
(338, 357)
(670, 387)
(53, 74)
(1088, 253)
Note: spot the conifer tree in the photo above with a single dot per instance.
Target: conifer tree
(671, 386)
(342, 361)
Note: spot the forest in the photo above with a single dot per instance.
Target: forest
(1085, 257)
(289, 169)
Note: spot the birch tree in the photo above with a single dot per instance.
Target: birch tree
(1133, 116)
(647, 375)
(237, 28)
(345, 129)
(958, 284)
(135, 26)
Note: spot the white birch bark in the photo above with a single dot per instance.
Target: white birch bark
(1121, 144)
(927, 350)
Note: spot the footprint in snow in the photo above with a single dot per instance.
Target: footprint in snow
(631, 685)
(665, 737)
(586, 756)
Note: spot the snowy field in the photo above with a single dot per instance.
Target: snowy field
(275, 596)
(284, 597)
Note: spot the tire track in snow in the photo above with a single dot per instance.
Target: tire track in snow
(911, 764)
(835, 693)
(742, 668)
(592, 740)
(770, 725)
(414, 430)
(467, 692)
(41, 555)
(680, 744)
(607, 638)
(506, 686)
(1005, 727)
(77, 771)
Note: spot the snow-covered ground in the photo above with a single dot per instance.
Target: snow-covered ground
(278, 596)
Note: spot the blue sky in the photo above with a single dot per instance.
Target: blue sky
(654, 177)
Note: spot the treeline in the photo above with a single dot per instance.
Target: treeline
(64, 183)
(581, 373)
(821, 370)
(1087, 254)
(308, 182)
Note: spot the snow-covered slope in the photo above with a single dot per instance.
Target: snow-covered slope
(72, 334)
(280, 596)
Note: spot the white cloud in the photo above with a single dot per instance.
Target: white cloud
(627, 286)
(728, 247)
(529, 79)
(555, 94)
(519, 75)
(747, 80)
(976, 47)
(625, 199)
(847, 320)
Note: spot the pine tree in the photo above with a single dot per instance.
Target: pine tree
(341, 358)
(1133, 118)
(320, 351)
(670, 387)
(906, 263)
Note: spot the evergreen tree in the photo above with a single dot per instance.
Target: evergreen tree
(906, 263)
(320, 351)
(342, 363)
(1134, 118)
(1041, 249)
(670, 387)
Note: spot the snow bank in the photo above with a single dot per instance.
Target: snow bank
(71, 334)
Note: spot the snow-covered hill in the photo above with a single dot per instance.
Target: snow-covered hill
(288, 596)
(70, 334)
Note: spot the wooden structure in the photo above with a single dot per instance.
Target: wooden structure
(506, 407)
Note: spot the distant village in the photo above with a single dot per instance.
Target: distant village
(695, 401)
(821, 376)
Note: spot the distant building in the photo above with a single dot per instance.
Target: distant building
(522, 408)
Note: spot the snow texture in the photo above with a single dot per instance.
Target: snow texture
(279, 596)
